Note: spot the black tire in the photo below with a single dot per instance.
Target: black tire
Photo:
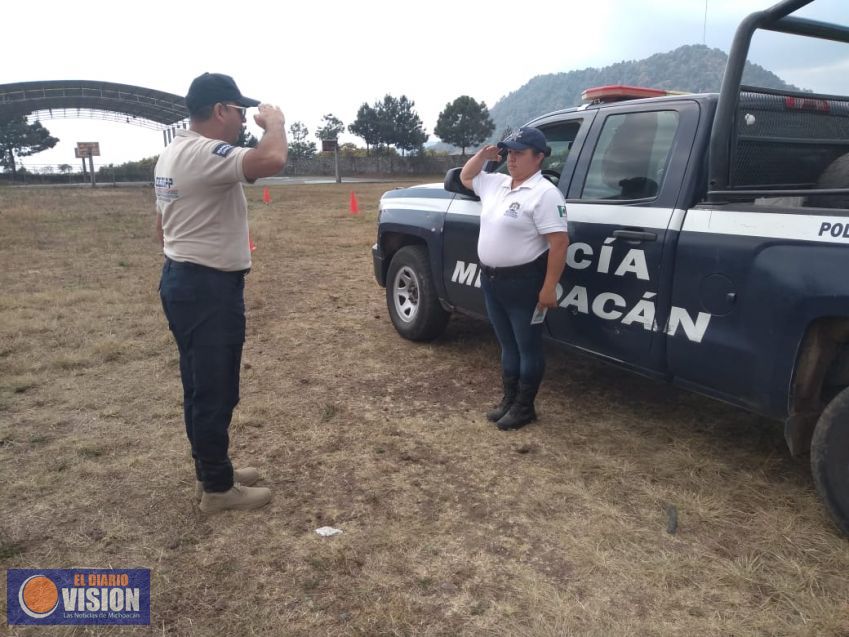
(830, 459)
(411, 296)
(836, 175)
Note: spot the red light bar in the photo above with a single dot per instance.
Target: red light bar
(806, 104)
(619, 92)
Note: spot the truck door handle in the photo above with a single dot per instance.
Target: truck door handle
(635, 235)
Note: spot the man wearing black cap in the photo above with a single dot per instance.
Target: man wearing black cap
(522, 251)
(203, 226)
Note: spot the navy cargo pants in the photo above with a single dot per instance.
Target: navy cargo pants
(205, 309)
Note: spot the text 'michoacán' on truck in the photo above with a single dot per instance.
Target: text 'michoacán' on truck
(709, 246)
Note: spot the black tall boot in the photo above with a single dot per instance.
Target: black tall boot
(522, 411)
(511, 388)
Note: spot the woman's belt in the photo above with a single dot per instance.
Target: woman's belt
(537, 266)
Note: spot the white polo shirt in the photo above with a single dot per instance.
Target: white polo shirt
(198, 184)
(513, 221)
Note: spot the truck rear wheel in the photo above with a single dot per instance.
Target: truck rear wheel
(830, 459)
(411, 296)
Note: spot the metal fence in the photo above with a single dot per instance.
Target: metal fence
(35, 174)
(320, 165)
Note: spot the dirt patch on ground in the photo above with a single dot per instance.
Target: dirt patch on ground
(450, 527)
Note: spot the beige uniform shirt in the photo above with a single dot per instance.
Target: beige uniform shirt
(199, 193)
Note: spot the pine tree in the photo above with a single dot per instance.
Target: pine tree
(366, 126)
(464, 122)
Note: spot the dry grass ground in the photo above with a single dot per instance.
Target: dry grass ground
(450, 527)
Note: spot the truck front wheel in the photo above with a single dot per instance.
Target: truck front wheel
(411, 296)
(830, 459)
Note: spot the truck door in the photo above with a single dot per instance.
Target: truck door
(461, 269)
(620, 204)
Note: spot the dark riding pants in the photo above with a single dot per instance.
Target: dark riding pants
(205, 309)
(511, 296)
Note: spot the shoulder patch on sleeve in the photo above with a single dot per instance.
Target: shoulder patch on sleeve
(222, 150)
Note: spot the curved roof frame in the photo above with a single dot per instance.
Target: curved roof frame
(93, 100)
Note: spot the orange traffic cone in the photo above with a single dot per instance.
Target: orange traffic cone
(353, 206)
(266, 196)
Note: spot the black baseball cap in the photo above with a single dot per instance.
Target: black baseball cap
(526, 137)
(211, 88)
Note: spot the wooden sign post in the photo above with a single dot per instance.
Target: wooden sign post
(88, 149)
(332, 144)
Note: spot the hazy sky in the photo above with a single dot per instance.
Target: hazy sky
(313, 58)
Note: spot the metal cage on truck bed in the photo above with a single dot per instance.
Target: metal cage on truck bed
(786, 140)
(776, 143)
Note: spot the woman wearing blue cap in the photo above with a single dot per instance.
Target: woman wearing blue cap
(522, 252)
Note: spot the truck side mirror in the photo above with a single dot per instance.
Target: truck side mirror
(452, 183)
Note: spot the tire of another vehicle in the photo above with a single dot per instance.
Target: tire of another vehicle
(830, 459)
(411, 296)
(836, 175)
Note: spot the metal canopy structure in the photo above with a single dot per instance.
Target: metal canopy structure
(87, 99)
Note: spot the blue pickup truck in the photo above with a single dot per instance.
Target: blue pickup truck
(709, 246)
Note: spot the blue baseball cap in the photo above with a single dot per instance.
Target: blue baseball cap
(210, 88)
(526, 137)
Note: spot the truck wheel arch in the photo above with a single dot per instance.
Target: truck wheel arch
(815, 379)
(391, 242)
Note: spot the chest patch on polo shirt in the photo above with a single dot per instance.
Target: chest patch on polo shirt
(513, 210)
(222, 150)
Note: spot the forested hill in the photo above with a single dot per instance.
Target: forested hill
(693, 68)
